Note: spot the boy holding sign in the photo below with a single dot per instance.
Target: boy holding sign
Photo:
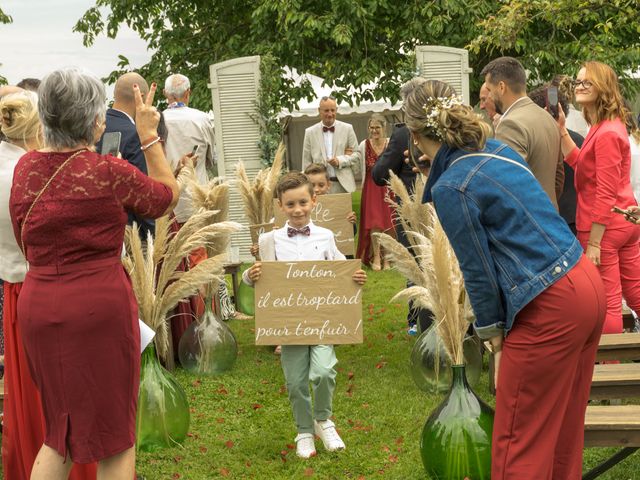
(319, 178)
(298, 240)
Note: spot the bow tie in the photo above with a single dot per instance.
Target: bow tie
(329, 129)
(292, 232)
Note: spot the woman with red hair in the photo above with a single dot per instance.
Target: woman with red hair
(602, 179)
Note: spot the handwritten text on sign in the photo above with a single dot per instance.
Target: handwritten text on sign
(308, 303)
(330, 212)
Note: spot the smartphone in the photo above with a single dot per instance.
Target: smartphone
(194, 150)
(552, 101)
(111, 143)
(623, 212)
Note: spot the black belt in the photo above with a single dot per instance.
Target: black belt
(333, 179)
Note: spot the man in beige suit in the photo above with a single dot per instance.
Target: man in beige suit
(334, 144)
(524, 126)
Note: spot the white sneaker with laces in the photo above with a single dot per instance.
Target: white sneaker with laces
(326, 430)
(305, 447)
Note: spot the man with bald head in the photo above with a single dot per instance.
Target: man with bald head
(121, 118)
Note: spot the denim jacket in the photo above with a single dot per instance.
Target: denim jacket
(507, 235)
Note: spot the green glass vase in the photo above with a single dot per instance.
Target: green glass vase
(456, 440)
(429, 363)
(163, 410)
(246, 299)
(208, 346)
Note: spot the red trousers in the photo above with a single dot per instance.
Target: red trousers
(544, 380)
(23, 424)
(620, 272)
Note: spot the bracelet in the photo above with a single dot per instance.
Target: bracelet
(149, 140)
(593, 244)
(152, 142)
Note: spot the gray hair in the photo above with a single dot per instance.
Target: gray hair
(176, 85)
(407, 88)
(70, 101)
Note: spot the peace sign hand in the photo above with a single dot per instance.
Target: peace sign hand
(147, 116)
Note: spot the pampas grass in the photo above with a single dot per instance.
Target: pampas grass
(257, 196)
(439, 285)
(157, 285)
(409, 210)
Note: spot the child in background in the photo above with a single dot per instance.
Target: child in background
(317, 173)
(300, 239)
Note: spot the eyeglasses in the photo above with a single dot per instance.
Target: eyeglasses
(586, 84)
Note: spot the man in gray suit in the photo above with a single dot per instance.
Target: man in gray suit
(334, 144)
(524, 126)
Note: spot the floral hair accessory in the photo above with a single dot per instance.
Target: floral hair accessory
(432, 109)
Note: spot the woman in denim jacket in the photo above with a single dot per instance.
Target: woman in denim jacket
(536, 297)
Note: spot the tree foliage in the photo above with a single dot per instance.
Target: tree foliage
(364, 47)
(4, 19)
(349, 43)
(551, 36)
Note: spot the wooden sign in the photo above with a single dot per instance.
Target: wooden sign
(330, 212)
(308, 303)
(259, 229)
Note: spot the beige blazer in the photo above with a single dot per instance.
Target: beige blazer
(533, 133)
(344, 137)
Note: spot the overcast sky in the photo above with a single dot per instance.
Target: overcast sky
(41, 39)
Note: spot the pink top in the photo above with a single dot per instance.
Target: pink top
(602, 175)
(82, 214)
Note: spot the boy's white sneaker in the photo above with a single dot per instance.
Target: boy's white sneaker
(305, 447)
(326, 430)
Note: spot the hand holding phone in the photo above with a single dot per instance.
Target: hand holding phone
(110, 143)
(552, 101)
(631, 214)
(194, 150)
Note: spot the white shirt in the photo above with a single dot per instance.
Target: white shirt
(328, 147)
(12, 264)
(635, 168)
(188, 127)
(576, 122)
(319, 245)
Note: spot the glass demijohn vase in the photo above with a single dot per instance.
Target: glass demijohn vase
(456, 440)
(208, 345)
(163, 410)
(429, 363)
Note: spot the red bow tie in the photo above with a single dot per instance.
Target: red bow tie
(292, 232)
(329, 129)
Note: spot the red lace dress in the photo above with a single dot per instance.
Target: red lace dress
(375, 212)
(77, 312)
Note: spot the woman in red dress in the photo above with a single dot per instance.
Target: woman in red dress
(23, 420)
(76, 311)
(375, 212)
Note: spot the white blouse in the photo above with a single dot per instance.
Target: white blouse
(12, 264)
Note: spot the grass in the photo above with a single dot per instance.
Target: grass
(242, 427)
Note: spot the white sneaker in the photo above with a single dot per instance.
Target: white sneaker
(326, 430)
(305, 447)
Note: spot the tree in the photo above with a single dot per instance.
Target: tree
(556, 36)
(4, 19)
(355, 43)
(349, 43)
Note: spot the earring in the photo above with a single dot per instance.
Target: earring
(415, 142)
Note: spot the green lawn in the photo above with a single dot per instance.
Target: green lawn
(242, 426)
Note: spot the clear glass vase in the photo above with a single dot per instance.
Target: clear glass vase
(429, 363)
(456, 439)
(163, 410)
(208, 346)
